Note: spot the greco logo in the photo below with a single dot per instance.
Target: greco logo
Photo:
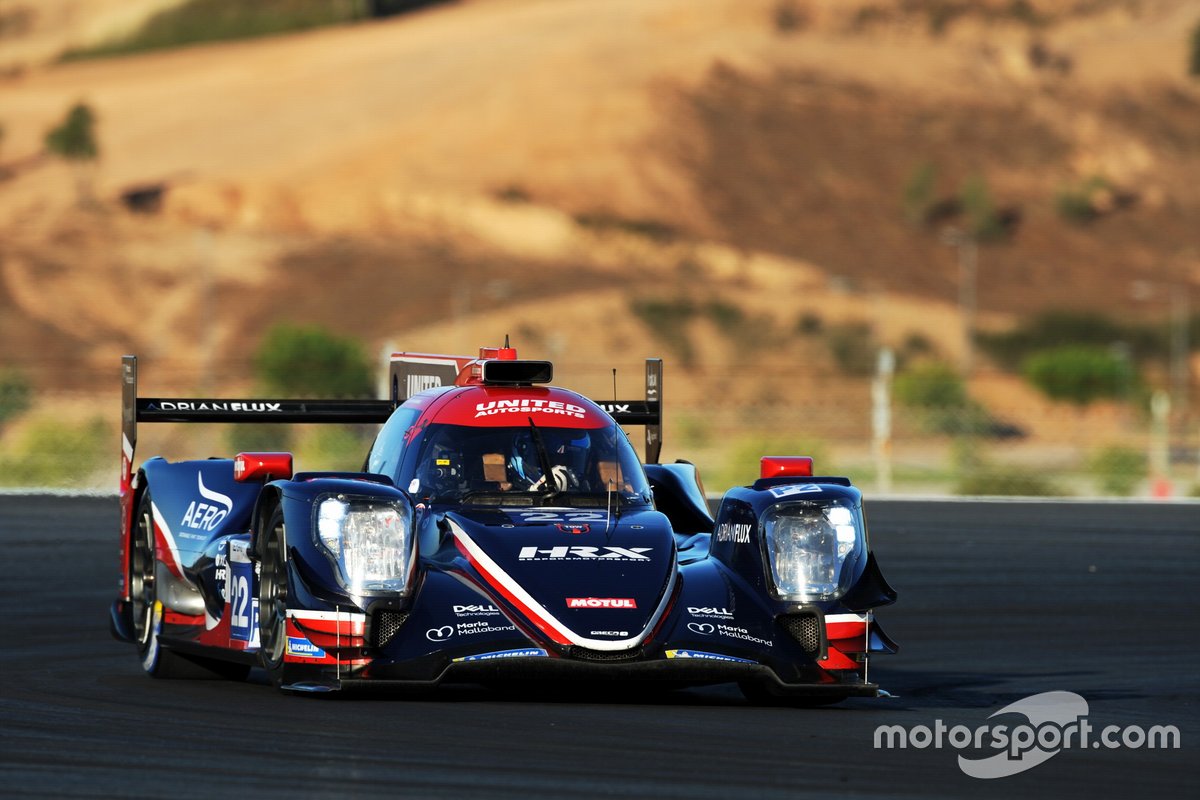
(203, 516)
(439, 634)
(580, 553)
(601, 602)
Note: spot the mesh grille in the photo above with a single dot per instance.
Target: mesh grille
(805, 629)
(584, 654)
(386, 625)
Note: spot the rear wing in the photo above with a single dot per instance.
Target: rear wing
(410, 373)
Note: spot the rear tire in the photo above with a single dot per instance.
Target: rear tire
(147, 612)
(273, 597)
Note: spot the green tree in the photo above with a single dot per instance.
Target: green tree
(15, 393)
(918, 192)
(1118, 470)
(933, 385)
(1194, 61)
(298, 360)
(1080, 374)
(983, 223)
(74, 140)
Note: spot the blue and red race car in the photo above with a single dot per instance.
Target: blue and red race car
(502, 530)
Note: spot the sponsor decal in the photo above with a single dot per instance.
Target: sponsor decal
(738, 534)
(528, 405)
(243, 604)
(788, 491)
(476, 611)
(729, 631)
(527, 652)
(212, 405)
(299, 646)
(419, 383)
(570, 518)
(203, 516)
(577, 553)
(1053, 722)
(706, 656)
(482, 626)
(439, 634)
(221, 573)
(601, 602)
(445, 632)
(710, 611)
(609, 633)
(615, 408)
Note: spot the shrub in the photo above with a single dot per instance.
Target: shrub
(308, 361)
(220, 20)
(809, 324)
(1194, 61)
(1077, 204)
(75, 137)
(668, 322)
(1118, 470)
(918, 193)
(853, 347)
(931, 386)
(1080, 375)
(983, 221)
(789, 17)
(1061, 328)
(15, 393)
(1007, 481)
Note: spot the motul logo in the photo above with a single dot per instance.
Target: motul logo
(579, 553)
(601, 602)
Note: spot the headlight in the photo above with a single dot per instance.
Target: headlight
(809, 546)
(370, 540)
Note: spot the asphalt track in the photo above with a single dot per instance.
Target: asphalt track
(998, 601)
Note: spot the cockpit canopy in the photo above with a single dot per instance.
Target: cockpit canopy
(445, 446)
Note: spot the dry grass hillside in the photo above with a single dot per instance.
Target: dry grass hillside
(541, 167)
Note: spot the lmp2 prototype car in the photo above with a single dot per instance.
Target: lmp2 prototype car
(502, 530)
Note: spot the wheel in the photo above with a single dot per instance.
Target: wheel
(272, 598)
(760, 694)
(147, 612)
(157, 661)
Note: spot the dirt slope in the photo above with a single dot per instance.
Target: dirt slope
(516, 156)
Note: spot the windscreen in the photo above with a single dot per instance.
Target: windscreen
(455, 462)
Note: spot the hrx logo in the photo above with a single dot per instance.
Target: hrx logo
(566, 553)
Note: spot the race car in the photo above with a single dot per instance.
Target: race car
(503, 530)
